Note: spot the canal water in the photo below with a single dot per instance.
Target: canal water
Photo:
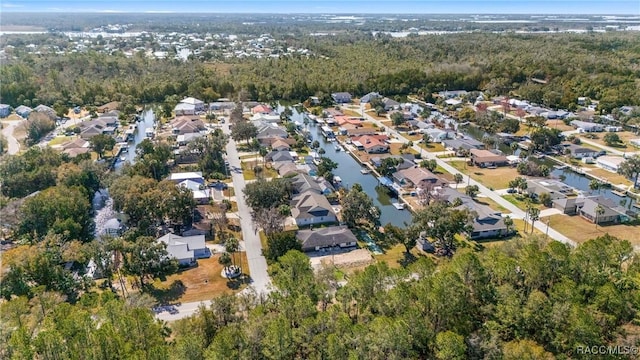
(349, 171)
(148, 121)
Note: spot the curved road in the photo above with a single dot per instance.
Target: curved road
(515, 211)
(261, 284)
(13, 146)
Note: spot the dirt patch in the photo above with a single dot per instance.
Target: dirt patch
(351, 259)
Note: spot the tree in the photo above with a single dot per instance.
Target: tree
(594, 184)
(545, 199)
(508, 223)
(430, 164)
(388, 166)
(525, 349)
(599, 212)
(280, 243)
(357, 206)
(231, 246)
(631, 168)
(293, 275)
(472, 190)
(397, 119)
(38, 125)
(101, 142)
(544, 138)
(534, 215)
(612, 139)
(457, 178)
(450, 346)
(264, 194)
(396, 235)
(467, 114)
(325, 168)
(243, 130)
(225, 260)
(441, 222)
(146, 258)
(59, 210)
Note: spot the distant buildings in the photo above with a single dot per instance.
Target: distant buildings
(341, 97)
(5, 110)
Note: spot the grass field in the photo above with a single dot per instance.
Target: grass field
(625, 136)
(559, 124)
(581, 230)
(394, 149)
(60, 140)
(203, 282)
(395, 257)
(493, 178)
(612, 177)
(248, 174)
(518, 200)
(492, 204)
(351, 113)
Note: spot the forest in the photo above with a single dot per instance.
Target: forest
(524, 299)
(604, 67)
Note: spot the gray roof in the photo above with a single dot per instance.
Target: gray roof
(324, 237)
(303, 182)
(609, 206)
(279, 156)
(486, 219)
(182, 247)
(370, 96)
(463, 144)
(310, 205)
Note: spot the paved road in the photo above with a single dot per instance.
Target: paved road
(515, 211)
(257, 262)
(261, 283)
(609, 149)
(13, 146)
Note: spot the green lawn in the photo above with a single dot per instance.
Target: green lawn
(60, 140)
(395, 256)
(493, 178)
(519, 201)
(433, 147)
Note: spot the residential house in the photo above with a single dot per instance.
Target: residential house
(369, 97)
(108, 107)
(113, 227)
(357, 132)
(303, 182)
(439, 135)
(222, 105)
(343, 119)
(262, 109)
(586, 126)
(201, 194)
(185, 249)
(579, 152)
(568, 205)
(46, 110)
(311, 208)
(266, 130)
(76, 144)
(609, 163)
(341, 97)
(486, 223)
(5, 110)
(98, 126)
(450, 94)
(485, 158)
(390, 104)
(611, 212)
(184, 109)
(279, 156)
(74, 152)
(182, 176)
(184, 139)
(327, 237)
(462, 144)
(417, 177)
(372, 144)
(286, 168)
(268, 141)
(280, 145)
(555, 189)
(23, 111)
(267, 118)
(197, 104)
(186, 125)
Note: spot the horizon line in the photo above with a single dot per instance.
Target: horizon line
(162, 12)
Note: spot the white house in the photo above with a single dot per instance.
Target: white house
(197, 104)
(184, 109)
(201, 193)
(185, 249)
(182, 176)
(609, 163)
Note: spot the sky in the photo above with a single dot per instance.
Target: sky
(596, 7)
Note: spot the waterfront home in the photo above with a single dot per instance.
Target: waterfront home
(485, 158)
(280, 145)
(183, 109)
(580, 152)
(184, 139)
(357, 132)
(610, 163)
(91, 128)
(462, 144)
(186, 124)
(185, 249)
(327, 237)
(390, 104)
(267, 118)
(417, 177)
(372, 144)
(268, 131)
(197, 104)
(486, 222)
(341, 97)
(438, 135)
(311, 208)
(279, 156)
(611, 212)
(262, 109)
(555, 189)
(568, 206)
(586, 126)
(343, 119)
(303, 182)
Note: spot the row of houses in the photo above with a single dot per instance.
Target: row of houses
(24, 111)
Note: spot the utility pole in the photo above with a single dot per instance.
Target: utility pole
(546, 237)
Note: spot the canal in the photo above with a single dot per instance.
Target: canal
(349, 171)
(148, 121)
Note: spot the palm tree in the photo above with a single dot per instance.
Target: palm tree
(599, 212)
(225, 260)
(231, 246)
(457, 178)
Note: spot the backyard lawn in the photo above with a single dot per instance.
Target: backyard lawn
(199, 283)
(578, 229)
(625, 136)
(490, 203)
(395, 256)
(612, 177)
(60, 140)
(394, 149)
(518, 200)
(493, 178)
(351, 113)
(559, 124)
(247, 170)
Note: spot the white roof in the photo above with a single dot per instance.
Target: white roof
(186, 176)
(185, 106)
(611, 160)
(182, 247)
(191, 101)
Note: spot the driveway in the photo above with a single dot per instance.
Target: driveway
(13, 146)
